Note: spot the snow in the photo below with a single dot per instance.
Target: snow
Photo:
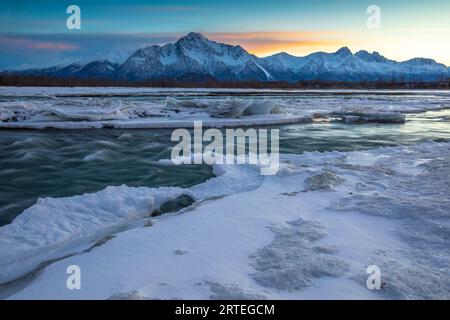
(269, 77)
(169, 57)
(138, 91)
(342, 65)
(286, 61)
(55, 227)
(252, 236)
(78, 108)
(208, 53)
(154, 124)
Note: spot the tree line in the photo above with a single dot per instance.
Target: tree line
(48, 81)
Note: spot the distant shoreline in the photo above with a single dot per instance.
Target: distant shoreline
(41, 81)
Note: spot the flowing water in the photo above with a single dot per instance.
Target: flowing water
(59, 163)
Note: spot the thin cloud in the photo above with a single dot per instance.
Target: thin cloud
(35, 44)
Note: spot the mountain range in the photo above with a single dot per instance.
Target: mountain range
(196, 58)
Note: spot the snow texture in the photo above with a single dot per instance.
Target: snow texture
(249, 236)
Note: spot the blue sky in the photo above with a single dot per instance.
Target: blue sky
(35, 33)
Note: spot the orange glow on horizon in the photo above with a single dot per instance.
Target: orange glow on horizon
(296, 43)
(399, 45)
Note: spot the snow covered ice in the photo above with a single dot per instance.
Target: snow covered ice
(308, 232)
(278, 237)
(75, 108)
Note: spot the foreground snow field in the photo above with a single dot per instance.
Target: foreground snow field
(308, 232)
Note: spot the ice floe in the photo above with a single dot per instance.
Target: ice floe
(127, 108)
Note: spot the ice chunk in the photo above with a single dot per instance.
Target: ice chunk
(366, 116)
(230, 108)
(6, 115)
(115, 114)
(55, 227)
(324, 180)
(265, 106)
(235, 108)
(172, 103)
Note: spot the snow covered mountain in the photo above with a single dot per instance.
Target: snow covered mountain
(342, 65)
(195, 58)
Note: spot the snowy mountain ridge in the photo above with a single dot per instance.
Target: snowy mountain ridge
(196, 58)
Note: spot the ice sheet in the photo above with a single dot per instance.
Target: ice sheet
(80, 108)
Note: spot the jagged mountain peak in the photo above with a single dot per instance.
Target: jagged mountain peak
(281, 54)
(198, 41)
(422, 61)
(371, 57)
(193, 39)
(343, 52)
(194, 36)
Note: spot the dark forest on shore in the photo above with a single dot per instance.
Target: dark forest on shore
(45, 81)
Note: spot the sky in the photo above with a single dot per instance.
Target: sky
(34, 33)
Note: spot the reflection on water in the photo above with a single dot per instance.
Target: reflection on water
(36, 164)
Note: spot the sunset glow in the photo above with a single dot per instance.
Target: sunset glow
(408, 29)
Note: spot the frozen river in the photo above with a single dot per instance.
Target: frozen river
(91, 169)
